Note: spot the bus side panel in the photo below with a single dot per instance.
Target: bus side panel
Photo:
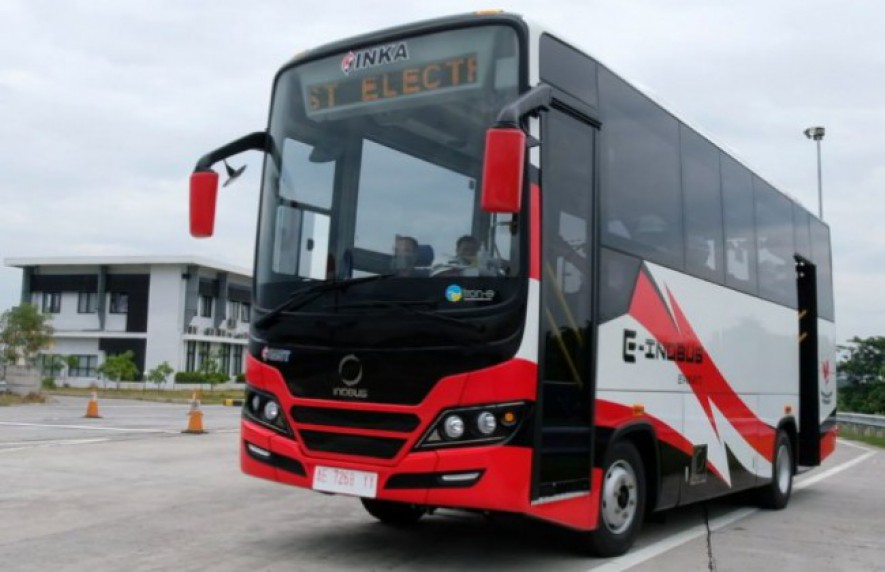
(716, 365)
(826, 347)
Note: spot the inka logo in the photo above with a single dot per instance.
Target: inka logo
(374, 57)
(655, 350)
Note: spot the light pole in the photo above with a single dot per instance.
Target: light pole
(817, 133)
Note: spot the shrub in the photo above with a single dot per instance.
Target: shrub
(48, 382)
(241, 378)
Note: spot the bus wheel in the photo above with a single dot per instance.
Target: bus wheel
(776, 494)
(394, 513)
(621, 503)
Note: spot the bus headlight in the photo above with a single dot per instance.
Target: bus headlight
(264, 409)
(271, 411)
(483, 425)
(453, 427)
(486, 423)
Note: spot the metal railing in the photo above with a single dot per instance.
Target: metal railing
(868, 425)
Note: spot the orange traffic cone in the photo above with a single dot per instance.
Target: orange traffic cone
(195, 417)
(92, 407)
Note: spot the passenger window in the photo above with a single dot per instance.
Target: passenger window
(820, 249)
(774, 245)
(801, 221)
(740, 234)
(641, 197)
(702, 207)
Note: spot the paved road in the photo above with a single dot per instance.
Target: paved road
(129, 491)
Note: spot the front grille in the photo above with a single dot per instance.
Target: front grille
(345, 444)
(375, 420)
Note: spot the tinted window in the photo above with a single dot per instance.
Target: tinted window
(702, 207)
(568, 69)
(641, 196)
(740, 242)
(820, 250)
(774, 245)
(801, 232)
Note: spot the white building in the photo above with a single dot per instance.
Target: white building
(176, 309)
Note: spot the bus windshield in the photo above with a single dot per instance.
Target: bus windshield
(376, 164)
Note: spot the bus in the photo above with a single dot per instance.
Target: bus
(492, 275)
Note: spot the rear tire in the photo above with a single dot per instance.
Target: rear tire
(394, 513)
(776, 494)
(622, 501)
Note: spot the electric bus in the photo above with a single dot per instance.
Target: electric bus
(492, 275)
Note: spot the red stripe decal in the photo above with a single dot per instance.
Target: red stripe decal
(706, 381)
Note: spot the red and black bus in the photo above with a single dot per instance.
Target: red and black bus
(492, 275)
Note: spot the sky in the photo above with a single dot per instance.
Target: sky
(105, 106)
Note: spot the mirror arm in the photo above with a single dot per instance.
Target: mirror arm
(258, 141)
(538, 98)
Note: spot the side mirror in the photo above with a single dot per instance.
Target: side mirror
(204, 193)
(503, 169)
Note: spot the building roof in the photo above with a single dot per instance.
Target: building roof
(25, 262)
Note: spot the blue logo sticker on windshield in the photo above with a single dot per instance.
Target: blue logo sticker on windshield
(453, 293)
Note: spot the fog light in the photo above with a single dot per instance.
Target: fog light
(271, 410)
(486, 423)
(453, 427)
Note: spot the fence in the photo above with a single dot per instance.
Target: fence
(867, 425)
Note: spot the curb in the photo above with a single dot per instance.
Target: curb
(233, 402)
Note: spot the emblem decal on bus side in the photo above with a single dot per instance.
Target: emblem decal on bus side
(653, 349)
(455, 293)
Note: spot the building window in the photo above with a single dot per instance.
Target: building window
(204, 354)
(191, 360)
(51, 302)
(206, 306)
(86, 366)
(87, 303)
(238, 361)
(225, 359)
(245, 312)
(119, 303)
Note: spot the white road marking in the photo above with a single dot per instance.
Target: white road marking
(91, 427)
(25, 445)
(632, 559)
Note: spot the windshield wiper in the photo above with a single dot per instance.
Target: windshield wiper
(408, 306)
(311, 293)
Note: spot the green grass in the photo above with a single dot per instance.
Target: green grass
(176, 396)
(13, 399)
(868, 439)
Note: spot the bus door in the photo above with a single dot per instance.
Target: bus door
(563, 436)
(809, 385)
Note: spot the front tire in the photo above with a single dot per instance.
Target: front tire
(776, 494)
(622, 501)
(394, 513)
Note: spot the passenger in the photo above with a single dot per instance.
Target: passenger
(405, 254)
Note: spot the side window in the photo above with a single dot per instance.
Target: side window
(740, 232)
(774, 245)
(642, 197)
(702, 207)
(820, 250)
(801, 231)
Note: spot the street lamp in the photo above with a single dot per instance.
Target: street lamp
(817, 133)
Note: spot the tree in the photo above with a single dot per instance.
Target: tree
(159, 374)
(53, 364)
(864, 367)
(211, 370)
(73, 362)
(120, 367)
(24, 332)
(865, 361)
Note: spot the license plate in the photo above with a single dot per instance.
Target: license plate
(345, 481)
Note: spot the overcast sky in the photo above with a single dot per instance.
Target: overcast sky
(105, 106)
